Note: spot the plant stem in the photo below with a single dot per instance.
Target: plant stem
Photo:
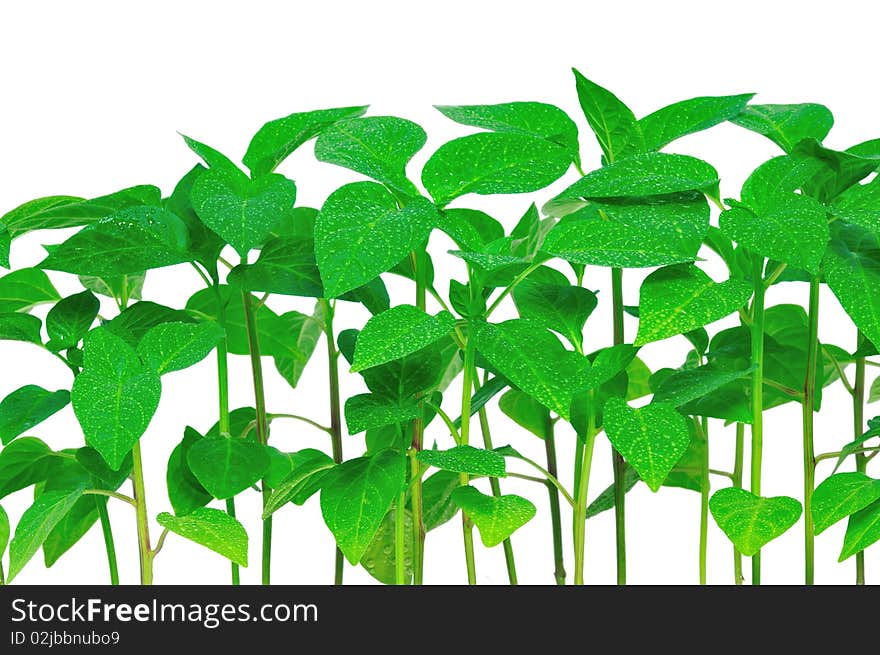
(109, 544)
(858, 428)
(467, 525)
(617, 459)
(809, 455)
(496, 491)
(703, 435)
(580, 520)
(400, 540)
(262, 423)
(737, 479)
(419, 532)
(555, 513)
(757, 333)
(335, 414)
(143, 525)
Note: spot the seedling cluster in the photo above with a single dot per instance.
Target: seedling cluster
(807, 217)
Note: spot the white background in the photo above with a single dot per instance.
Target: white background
(93, 93)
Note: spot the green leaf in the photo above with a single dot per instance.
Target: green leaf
(226, 466)
(862, 530)
(380, 558)
(750, 521)
(136, 320)
(688, 116)
(204, 245)
(874, 391)
(471, 230)
(379, 147)
(4, 531)
(786, 125)
(563, 308)
(841, 495)
(305, 332)
(20, 327)
(130, 241)
(860, 204)
(356, 496)
(531, 118)
(122, 288)
(102, 475)
(632, 233)
(652, 438)
(367, 410)
(534, 360)
(215, 159)
(437, 504)
(689, 385)
(172, 347)
(277, 139)
(398, 332)
(185, 491)
(466, 459)
(35, 525)
(26, 407)
(25, 288)
(286, 265)
(241, 210)
(613, 123)
(526, 412)
(115, 396)
(606, 500)
(22, 463)
(490, 163)
(212, 528)
(309, 467)
(678, 299)
(495, 517)
(852, 271)
(69, 320)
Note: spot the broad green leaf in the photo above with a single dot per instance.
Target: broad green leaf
(470, 229)
(212, 528)
(368, 410)
(490, 163)
(613, 123)
(25, 288)
(380, 558)
(175, 346)
(215, 159)
(795, 232)
(687, 472)
(606, 500)
(115, 396)
(632, 233)
(786, 125)
(841, 495)
(241, 210)
(277, 139)
(185, 491)
(363, 217)
(534, 360)
(862, 530)
(678, 299)
(750, 521)
(852, 271)
(309, 467)
(689, 385)
(398, 332)
(437, 504)
(652, 438)
(123, 288)
(22, 463)
(531, 118)
(860, 204)
(35, 525)
(379, 147)
(136, 320)
(356, 496)
(286, 265)
(4, 531)
(526, 412)
(466, 459)
(563, 308)
(688, 116)
(226, 466)
(20, 327)
(305, 332)
(204, 245)
(130, 241)
(69, 320)
(836, 171)
(776, 182)
(495, 517)
(26, 407)
(102, 475)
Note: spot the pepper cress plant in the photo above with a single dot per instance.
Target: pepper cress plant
(421, 442)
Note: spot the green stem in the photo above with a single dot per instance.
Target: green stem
(809, 455)
(400, 540)
(757, 333)
(555, 513)
(335, 414)
(618, 462)
(109, 544)
(703, 436)
(580, 520)
(858, 429)
(262, 423)
(467, 525)
(737, 479)
(416, 500)
(143, 525)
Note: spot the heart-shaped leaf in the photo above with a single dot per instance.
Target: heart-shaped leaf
(175, 346)
(69, 320)
(652, 438)
(495, 517)
(398, 332)
(841, 495)
(286, 265)
(226, 466)
(213, 529)
(556, 305)
(526, 412)
(26, 407)
(750, 521)
(466, 459)
(25, 288)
